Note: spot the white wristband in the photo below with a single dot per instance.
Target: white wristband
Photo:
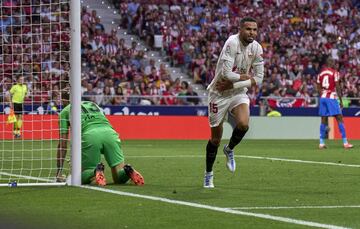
(242, 84)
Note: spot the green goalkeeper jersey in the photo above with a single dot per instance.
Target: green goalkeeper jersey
(91, 117)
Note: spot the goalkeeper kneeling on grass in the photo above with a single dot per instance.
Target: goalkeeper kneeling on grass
(97, 137)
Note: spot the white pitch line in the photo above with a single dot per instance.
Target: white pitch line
(202, 206)
(218, 209)
(295, 207)
(26, 177)
(49, 181)
(249, 157)
(300, 161)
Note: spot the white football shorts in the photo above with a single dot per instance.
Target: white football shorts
(219, 105)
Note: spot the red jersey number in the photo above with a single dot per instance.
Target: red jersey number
(213, 108)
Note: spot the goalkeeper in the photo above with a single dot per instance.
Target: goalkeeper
(97, 137)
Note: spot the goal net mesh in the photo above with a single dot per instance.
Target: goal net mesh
(35, 50)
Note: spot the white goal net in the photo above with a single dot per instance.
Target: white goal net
(35, 68)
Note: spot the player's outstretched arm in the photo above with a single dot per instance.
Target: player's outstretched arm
(60, 157)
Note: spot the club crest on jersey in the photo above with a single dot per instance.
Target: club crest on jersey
(227, 51)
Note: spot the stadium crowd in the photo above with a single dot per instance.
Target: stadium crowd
(296, 41)
(35, 44)
(114, 74)
(297, 37)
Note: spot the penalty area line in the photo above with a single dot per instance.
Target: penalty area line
(218, 209)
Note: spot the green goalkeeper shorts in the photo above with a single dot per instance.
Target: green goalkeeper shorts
(99, 141)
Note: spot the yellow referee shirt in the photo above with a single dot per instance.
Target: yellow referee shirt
(274, 114)
(18, 93)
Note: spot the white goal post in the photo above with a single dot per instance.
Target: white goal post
(40, 46)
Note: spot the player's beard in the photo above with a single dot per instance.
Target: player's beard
(249, 40)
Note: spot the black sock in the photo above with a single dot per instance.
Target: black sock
(211, 151)
(237, 136)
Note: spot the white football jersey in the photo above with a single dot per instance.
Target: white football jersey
(242, 59)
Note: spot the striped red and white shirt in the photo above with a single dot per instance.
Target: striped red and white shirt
(111, 49)
(327, 80)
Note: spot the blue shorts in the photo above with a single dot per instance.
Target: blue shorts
(329, 107)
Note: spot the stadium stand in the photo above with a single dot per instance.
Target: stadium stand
(192, 35)
(42, 58)
(296, 36)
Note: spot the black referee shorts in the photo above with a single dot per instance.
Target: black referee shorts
(18, 108)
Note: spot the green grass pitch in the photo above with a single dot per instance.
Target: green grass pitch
(327, 194)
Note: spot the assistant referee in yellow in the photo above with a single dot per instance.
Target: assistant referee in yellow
(18, 93)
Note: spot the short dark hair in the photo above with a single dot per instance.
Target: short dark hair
(18, 76)
(247, 19)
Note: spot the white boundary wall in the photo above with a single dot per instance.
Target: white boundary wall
(279, 128)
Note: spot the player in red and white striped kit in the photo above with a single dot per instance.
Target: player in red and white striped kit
(330, 92)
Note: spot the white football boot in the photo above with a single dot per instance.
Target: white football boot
(230, 163)
(209, 180)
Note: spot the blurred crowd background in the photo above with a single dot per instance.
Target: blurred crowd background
(297, 37)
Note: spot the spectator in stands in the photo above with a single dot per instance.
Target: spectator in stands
(182, 93)
(89, 94)
(193, 96)
(107, 97)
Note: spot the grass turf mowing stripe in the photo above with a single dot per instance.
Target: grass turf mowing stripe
(219, 209)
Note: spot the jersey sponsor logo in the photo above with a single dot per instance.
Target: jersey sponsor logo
(89, 117)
